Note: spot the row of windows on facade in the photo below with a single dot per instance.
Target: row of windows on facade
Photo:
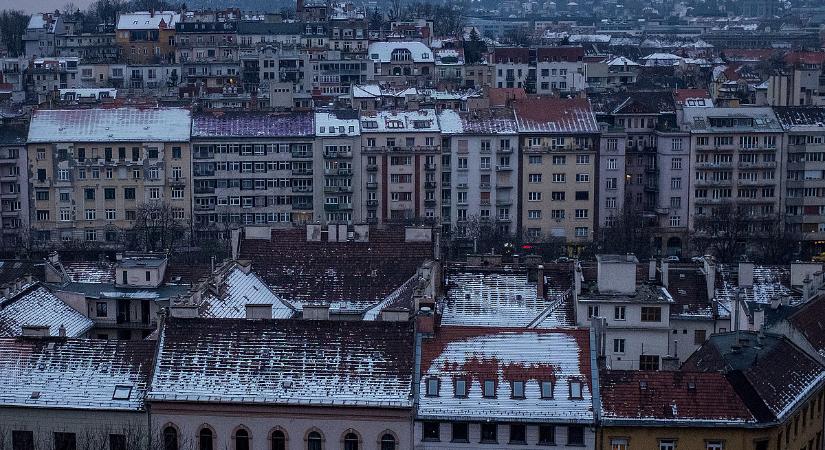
(647, 313)
(745, 142)
(129, 193)
(152, 173)
(517, 388)
(557, 214)
(241, 439)
(67, 215)
(431, 432)
(671, 444)
(80, 153)
(536, 233)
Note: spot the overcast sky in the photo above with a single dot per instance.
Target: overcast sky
(32, 6)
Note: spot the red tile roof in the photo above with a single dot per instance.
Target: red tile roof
(515, 55)
(810, 321)
(503, 96)
(682, 95)
(670, 396)
(567, 54)
(805, 58)
(559, 115)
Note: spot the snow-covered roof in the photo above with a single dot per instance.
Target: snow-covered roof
(592, 38)
(500, 299)
(382, 51)
(285, 362)
(337, 123)
(621, 61)
(424, 120)
(252, 124)
(453, 122)
(239, 289)
(555, 115)
(145, 20)
(476, 355)
(90, 92)
(769, 283)
(110, 125)
(661, 59)
(74, 373)
(37, 306)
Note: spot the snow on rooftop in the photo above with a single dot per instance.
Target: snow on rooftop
(424, 120)
(110, 125)
(504, 356)
(37, 306)
(252, 124)
(769, 282)
(238, 290)
(330, 123)
(383, 51)
(621, 61)
(453, 122)
(145, 20)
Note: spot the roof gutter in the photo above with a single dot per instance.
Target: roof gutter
(594, 375)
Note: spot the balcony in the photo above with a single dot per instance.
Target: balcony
(301, 171)
(429, 166)
(301, 206)
(462, 186)
(345, 206)
(402, 149)
(372, 185)
(430, 185)
(346, 171)
(372, 167)
(301, 188)
(504, 150)
(714, 165)
(503, 202)
(330, 206)
(333, 155)
(430, 202)
(503, 168)
(204, 190)
(372, 203)
(301, 154)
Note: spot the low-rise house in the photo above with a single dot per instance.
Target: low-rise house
(32, 309)
(283, 384)
(408, 63)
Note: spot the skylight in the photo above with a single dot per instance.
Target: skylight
(122, 392)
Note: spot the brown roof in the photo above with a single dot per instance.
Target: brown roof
(567, 54)
(810, 321)
(504, 96)
(561, 115)
(668, 396)
(516, 55)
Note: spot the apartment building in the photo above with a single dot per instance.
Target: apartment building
(736, 162)
(560, 69)
(338, 140)
(14, 187)
(511, 68)
(147, 36)
(92, 169)
(801, 83)
(480, 177)
(402, 63)
(612, 173)
(400, 160)
(252, 168)
(557, 165)
(208, 53)
(50, 74)
(804, 177)
(610, 73)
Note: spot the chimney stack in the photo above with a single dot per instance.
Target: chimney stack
(651, 270)
(745, 274)
(61, 331)
(665, 273)
(540, 281)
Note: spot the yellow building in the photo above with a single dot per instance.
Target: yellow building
(737, 392)
(92, 169)
(145, 37)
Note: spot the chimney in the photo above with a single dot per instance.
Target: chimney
(759, 318)
(577, 278)
(785, 301)
(670, 363)
(54, 257)
(745, 274)
(61, 331)
(710, 276)
(806, 288)
(540, 281)
(651, 270)
(665, 273)
(259, 311)
(316, 312)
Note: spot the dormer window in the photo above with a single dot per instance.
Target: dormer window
(460, 387)
(518, 389)
(546, 389)
(575, 389)
(432, 387)
(489, 388)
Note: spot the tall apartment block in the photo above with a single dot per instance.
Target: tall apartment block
(736, 160)
(91, 169)
(558, 141)
(400, 160)
(480, 175)
(338, 144)
(252, 168)
(14, 188)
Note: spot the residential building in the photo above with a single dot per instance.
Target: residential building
(610, 73)
(31, 309)
(39, 38)
(473, 189)
(147, 36)
(512, 68)
(560, 70)
(400, 161)
(252, 168)
(48, 75)
(612, 174)
(14, 185)
(279, 387)
(93, 169)
(800, 82)
(558, 141)
(400, 64)
(736, 162)
(338, 140)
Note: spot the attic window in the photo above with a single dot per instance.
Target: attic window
(546, 389)
(643, 385)
(370, 124)
(35, 395)
(489, 388)
(691, 385)
(575, 389)
(122, 393)
(518, 389)
(460, 387)
(432, 387)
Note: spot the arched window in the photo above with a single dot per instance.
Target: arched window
(241, 439)
(278, 440)
(314, 441)
(170, 438)
(387, 442)
(205, 439)
(350, 441)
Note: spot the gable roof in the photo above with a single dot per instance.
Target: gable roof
(237, 289)
(37, 306)
(810, 321)
(74, 373)
(146, 20)
(382, 51)
(505, 355)
(668, 397)
(489, 122)
(555, 115)
(285, 362)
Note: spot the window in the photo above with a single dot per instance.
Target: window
(534, 196)
(129, 193)
(431, 431)
(489, 388)
(648, 362)
(592, 311)
(618, 345)
(461, 432)
(714, 445)
(546, 389)
(241, 440)
(575, 435)
(534, 214)
(557, 196)
(699, 337)
(432, 387)
(517, 434)
(575, 389)
(676, 163)
(651, 314)
(489, 433)
(65, 441)
(460, 387)
(89, 194)
(619, 313)
(559, 178)
(91, 214)
(109, 193)
(582, 195)
(22, 440)
(547, 435)
(667, 444)
(387, 442)
(170, 438)
(534, 178)
(518, 389)
(582, 213)
(279, 440)
(314, 441)
(618, 444)
(101, 309)
(581, 232)
(675, 221)
(350, 441)
(534, 159)
(205, 439)
(582, 177)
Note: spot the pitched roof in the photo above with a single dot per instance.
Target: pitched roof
(285, 362)
(810, 321)
(668, 397)
(506, 355)
(74, 373)
(110, 125)
(382, 51)
(237, 289)
(37, 306)
(565, 54)
(634, 102)
(349, 276)
(769, 372)
(145, 20)
(13, 269)
(252, 124)
(488, 122)
(801, 118)
(769, 283)
(687, 286)
(515, 55)
(555, 115)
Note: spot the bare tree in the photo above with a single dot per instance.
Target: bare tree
(156, 228)
(12, 27)
(629, 232)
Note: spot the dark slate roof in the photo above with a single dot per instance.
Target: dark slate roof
(688, 287)
(252, 124)
(255, 27)
(633, 102)
(670, 396)
(13, 269)
(795, 116)
(74, 373)
(810, 321)
(310, 271)
(285, 362)
(770, 373)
